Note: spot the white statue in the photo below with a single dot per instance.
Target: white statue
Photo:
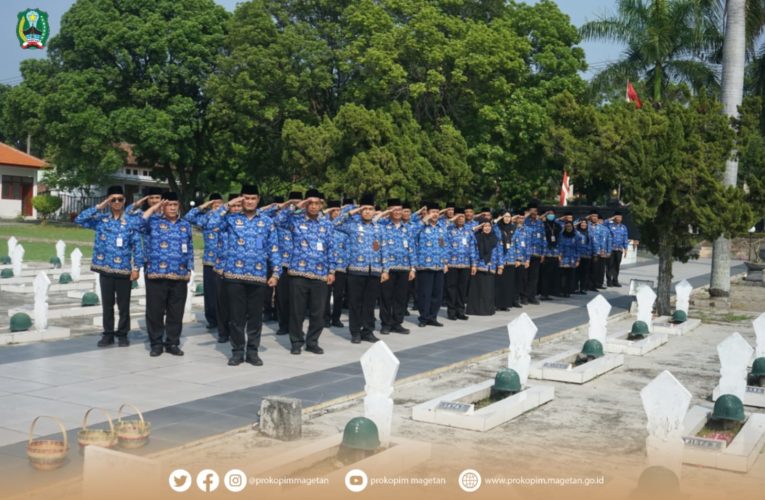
(598, 310)
(665, 401)
(41, 285)
(76, 262)
(683, 292)
(17, 259)
(521, 332)
(759, 332)
(12, 242)
(61, 251)
(380, 367)
(190, 293)
(734, 353)
(645, 299)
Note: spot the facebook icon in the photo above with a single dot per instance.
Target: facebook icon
(208, 480)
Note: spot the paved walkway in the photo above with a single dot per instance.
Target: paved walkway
(198, 395)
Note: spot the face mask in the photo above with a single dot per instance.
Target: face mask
(550, 217)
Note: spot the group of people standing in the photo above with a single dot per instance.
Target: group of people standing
(305, 256)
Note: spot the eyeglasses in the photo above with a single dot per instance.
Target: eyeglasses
(118, 200)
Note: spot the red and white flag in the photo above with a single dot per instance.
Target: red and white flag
(566, 190)
(632, 96)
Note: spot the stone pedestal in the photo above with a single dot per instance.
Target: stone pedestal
(281, 418)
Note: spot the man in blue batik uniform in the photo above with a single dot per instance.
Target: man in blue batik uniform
(461, 251)
(169, 250)
(311, 268)
(337, 289)
(619, 245)
(198, 217)
(432, 262)
(252, 249)
(536, 243)
(398, 269)
(117, 258)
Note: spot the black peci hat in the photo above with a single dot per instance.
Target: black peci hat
(333, 204)
(312, 193)
(215, 196)
(170, 196)
(250, 189)
(295, 195)
(278, 199)
(567, 213)
(154, 191)
(367, 199)
(114, 190)
(468, 206)
(231, 196)
(394, 202)
(347, 201)
(406, 205)
(450, 204)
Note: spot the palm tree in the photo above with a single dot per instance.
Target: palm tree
(666, 41)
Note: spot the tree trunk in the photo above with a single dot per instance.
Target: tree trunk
(665, 278)
(734, 60)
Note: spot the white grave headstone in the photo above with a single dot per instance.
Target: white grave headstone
(12, 242)
(76, 257)
(645, 299)
(97, 290)
(190, 293)
(61, 251)
(665, 402)
(598, 310)
(735, 353)
(521, 332)
(380, 367)
(17, 259)
(759, 332)
(683, 291)
(41, 285)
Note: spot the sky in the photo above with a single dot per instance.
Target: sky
(11, 54)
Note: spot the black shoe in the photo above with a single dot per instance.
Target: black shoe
(235, 361)
(566, 295)
(384, 330)
(534, 301)
(525, 301)
(422, 324)
(337, 323)
(295, 349)
(155, 351)
(106, 341)
(600, 288)
(254, 359)
(282, 332)
(210, 326)
(355, 339)
(369, 337)
(400, 329)
(434, 322)
(174, 350)
(222, 340)
(464, 316)
(545, 297)
(314, 349)
(451, 318)
(123, 341)
(407, 313)
(581, 292)
(517, 304)
(617, 284)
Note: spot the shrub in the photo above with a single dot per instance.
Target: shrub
(46, 204)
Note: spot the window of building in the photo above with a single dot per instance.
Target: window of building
(12, 186)
(146, 173)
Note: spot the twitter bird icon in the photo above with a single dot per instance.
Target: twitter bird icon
(179, 480)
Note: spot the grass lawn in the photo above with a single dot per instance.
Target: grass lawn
(39, 241)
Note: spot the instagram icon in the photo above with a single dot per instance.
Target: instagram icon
(235, 480)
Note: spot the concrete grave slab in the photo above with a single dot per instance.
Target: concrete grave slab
(560, 367)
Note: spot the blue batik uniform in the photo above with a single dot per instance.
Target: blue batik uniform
(598, 238)
(252, 246)
(471, 224)
(117, 248)
(497, 259)
(430, 247)
(169, 248)
(397, 247)
(340, 246)
(550, 248)
(569, 251)
(365, 256)
(619, 236)
(535, 237)
(583, 244)
(284, 237)
(461, 247)
(211, 235)
(313, 253)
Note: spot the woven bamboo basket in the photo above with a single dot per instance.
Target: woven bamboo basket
(47, 454)
(97, 437)
(132, 433)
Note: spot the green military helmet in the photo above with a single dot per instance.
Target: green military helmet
(639, 328)
(200, 290)
(65, 278)
(729, 407)
(5, 260)
(55, 262)
(361, 434)
(679, 316)
(507, 380)
(758, 367)
(592, 348)
(20, 322)
(6, 273)
(89, 299)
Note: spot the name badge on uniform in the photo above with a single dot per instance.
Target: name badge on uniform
(361, 228)
(507, 246)
(320, 246)
(184, 248)
(464, 241)
(303, 227)
(406, 244)
(523, 244)
(119, 241)
(552, 239)
(539, 235)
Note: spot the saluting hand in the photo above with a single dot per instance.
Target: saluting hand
(106, 202)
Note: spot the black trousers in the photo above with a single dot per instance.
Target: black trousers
(613, 267)
(165, 301)
(246, 310)
(583, 275)
(430, 291)
(598, 271)
(115, 287)
(310, 293)
(338, 292)
(521, 281)
(222, 308)
(568, 280)
(506, 293)
(394, 294)
(363, 291)
(210, 285)
(532, 277)
(550, 276)
(269, 310)
(457, 281)
(283, 301)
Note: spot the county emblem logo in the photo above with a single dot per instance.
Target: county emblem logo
(33, 29)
